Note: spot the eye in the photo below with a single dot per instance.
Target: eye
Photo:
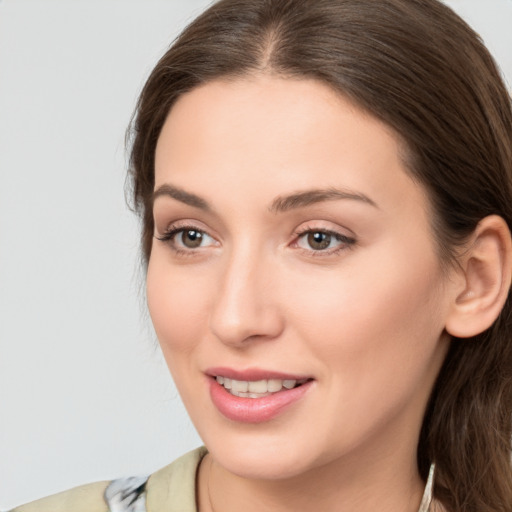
(319, 240)
(191, 238)
(186, 238)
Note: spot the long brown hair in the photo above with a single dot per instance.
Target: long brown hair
(418, 67)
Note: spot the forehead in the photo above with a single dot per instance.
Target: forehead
(285, 133)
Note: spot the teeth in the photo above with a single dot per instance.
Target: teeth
(240, 386)
(258, 388)
(257, 395)
(289, 384)
(274, 385)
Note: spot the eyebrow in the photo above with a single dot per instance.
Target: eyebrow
(309, 197)
(182, 196)
(279, 205)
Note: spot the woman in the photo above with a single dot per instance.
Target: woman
(325, 189)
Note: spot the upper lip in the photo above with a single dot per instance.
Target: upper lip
(253, 374)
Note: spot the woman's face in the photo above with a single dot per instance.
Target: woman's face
(291, 247)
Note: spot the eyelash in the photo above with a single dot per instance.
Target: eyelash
(170, 234)
(346, 242)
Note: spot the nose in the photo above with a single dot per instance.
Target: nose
(246, 306)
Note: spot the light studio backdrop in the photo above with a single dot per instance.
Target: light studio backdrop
(84, 392)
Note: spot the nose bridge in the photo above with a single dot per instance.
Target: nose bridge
(245, 306)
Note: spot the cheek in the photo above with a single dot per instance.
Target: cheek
(373, 333)
(177, 305)
(379, 315)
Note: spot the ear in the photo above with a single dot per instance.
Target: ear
(486, 269)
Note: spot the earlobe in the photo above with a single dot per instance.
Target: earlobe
(486, 268)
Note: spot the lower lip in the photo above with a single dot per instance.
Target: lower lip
(255, 410)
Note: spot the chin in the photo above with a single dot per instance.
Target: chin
(259, 465)
(261, 457)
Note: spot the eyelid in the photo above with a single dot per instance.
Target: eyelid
(161, 229)
(347, 241)
(174, 228)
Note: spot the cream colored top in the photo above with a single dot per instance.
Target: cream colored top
(171, 489)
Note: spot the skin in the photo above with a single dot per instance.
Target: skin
(365, 319)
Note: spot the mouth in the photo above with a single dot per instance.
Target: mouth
(257, 388)
(256, 396)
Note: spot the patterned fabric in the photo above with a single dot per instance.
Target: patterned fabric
(127, 494)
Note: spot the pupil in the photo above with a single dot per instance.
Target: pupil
(319, 240)
(192, 238)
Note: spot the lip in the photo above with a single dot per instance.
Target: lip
(254, 410)
(253, 374)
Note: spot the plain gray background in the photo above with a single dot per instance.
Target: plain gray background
(84, 393)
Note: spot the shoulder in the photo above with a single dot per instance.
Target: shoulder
(171, 488)
(86, 498)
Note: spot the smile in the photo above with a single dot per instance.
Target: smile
(257, 388)
(249, 397)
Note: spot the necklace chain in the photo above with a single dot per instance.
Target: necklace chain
(208, 485)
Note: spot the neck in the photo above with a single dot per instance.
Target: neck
(342, 486)
(381, 473)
